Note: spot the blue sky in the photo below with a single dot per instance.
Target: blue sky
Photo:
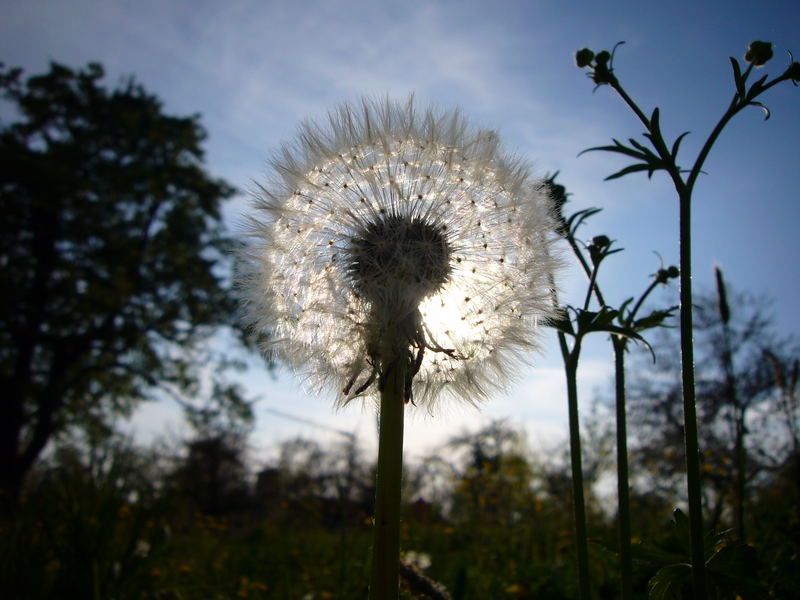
(255, 69)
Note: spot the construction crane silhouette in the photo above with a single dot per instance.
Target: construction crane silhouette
(284, 415)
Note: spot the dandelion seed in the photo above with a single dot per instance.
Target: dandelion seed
(413, 213)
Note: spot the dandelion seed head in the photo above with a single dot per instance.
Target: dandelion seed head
(389, 223)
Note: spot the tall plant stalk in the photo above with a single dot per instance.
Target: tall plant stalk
(384, 581)
(658, 156)
(587, 321)
(578, 503)
(623, 486)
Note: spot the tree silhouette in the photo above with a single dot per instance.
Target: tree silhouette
(742, 439)
(112, 259)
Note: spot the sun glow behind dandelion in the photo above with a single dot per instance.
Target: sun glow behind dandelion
(392, 221)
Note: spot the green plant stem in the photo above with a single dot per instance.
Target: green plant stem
(623, 487)
(386, 533)
(741, 99)
(579, 507)
(587, 269)
(658, 143)
(641, 300)
(689, 402)
(737, 104)
(684, 190)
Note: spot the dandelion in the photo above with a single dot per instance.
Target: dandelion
(400, 255)
(388, 231)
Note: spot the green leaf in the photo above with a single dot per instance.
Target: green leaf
(619, 148)
(630, 169)
(756, 88)
(681, 529)
(668, 582)
(623, 308)
(654, 319)
(737, 77)
(657, 556)
(654, 119)
(762, 107)
(589, 320)
(562, 323)
(655, 128)
(577, 219)
(676, 145)
(644, 149)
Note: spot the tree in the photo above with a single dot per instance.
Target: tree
(738, 404)
(113, 263)
(214, 475)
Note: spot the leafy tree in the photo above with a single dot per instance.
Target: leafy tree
(738, 404)
(113, 263)
(214, 475)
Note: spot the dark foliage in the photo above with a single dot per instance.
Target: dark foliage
(747, 422)
(112, 259)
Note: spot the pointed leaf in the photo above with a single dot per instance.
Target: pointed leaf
(638, 145)
(762, 107)
(622, 310)
(629, 169)
(654, 119)
(655, 127)
(681, 528)
(756, 88)
(618, 149)
(676, 145)
(584, 321)
(654, 319)
(737, 77)
(630, 334)
(605, 317)
(575, 220)
(562, 323)
(666, 584)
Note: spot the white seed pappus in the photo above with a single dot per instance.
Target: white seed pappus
(386, 215)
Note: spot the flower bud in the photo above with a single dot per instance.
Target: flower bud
(665, 275)
(793, 72)
(583, 57)
(758, 53)
(601, 241)
(602, 73)
(603, 57)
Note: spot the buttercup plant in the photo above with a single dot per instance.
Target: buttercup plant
(401, 256)
(656, 154)
(622, 325)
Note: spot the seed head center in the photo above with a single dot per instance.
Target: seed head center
(399, 257)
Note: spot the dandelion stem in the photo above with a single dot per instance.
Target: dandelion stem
(386, 532)
(578, 503)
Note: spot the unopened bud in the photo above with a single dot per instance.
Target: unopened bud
(665, 275)
(583, 57)
(601, 241)
(603, 57)
(758, 53)
(793, 72)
